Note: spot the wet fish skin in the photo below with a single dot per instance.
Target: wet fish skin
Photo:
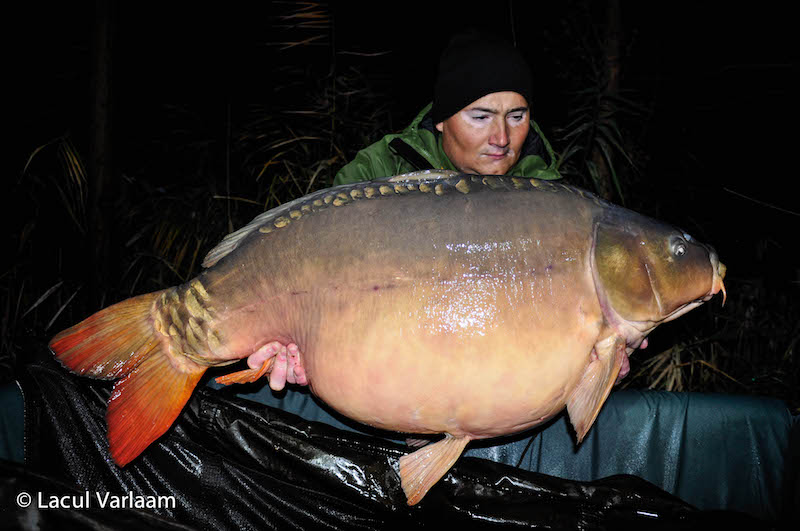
(431, 303)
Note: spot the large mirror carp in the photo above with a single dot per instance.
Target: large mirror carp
(428, 303)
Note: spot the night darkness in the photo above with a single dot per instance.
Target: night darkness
(217, 113)
(715, 151)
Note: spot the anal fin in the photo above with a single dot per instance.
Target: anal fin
(595, 385)
(420, 470)
(246, 375)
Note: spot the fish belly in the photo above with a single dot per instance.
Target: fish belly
(407, 368)
(470, 314)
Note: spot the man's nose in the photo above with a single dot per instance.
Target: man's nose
(499, 136)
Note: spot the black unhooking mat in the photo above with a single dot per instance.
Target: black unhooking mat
(229, 463)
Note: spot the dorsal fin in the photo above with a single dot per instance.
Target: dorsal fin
(438, 182)
(232, 240)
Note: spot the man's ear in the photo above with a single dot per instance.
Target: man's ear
(440, 126)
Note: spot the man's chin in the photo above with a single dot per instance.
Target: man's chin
(495, 168)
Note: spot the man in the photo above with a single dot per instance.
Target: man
(479, 121)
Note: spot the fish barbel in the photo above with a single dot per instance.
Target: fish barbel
(427, 303)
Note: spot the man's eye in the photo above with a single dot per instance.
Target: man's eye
(518, 117)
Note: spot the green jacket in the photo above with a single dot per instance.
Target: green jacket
(419, 147)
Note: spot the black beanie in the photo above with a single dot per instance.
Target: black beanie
(474, 65)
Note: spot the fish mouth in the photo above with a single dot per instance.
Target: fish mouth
(719, 271)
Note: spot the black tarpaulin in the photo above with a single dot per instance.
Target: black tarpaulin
(230, 463)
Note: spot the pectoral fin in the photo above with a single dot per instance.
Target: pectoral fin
(596, 383)
(422, 469)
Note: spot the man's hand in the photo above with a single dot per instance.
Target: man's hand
(283, 363)
(287, 366)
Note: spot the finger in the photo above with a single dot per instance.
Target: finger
(277, 378)
(299, 370)
(300, 375)
(257, 358)
(293, 362)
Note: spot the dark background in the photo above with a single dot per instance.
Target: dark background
(714, 148)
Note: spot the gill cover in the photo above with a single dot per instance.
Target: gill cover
(648, 271)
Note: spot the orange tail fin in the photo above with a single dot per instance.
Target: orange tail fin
(121, 342)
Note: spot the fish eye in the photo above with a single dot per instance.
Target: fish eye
(679, 247)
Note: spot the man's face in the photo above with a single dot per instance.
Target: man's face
(486, 136)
